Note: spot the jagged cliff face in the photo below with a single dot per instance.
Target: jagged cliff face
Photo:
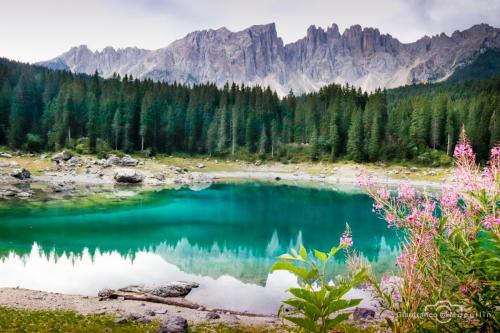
(360, 57)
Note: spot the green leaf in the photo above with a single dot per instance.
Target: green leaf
(303, 323)
(321, 256)
(342, 304)
(303, 252)
(334, 250)
(300, 272)
(309, 309)
(331, 323)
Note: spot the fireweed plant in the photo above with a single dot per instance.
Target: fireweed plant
(317, 304)
(449, 267)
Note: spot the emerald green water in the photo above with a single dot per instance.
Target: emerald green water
(226, 237)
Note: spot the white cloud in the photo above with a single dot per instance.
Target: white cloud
(35, 30)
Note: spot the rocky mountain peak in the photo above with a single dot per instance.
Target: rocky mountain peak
(359, 56)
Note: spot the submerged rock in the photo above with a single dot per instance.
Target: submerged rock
(21, 173)
(174, 289)
(174, 325)
(128, 176)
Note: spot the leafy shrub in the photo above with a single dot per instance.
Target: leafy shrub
(316, 299)
(34, 143)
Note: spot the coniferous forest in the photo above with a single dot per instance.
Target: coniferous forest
(41, 109)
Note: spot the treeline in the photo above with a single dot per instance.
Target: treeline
(41, 109)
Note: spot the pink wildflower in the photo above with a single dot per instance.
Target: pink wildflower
(490, 221)
(412, 217)
(464, 289)
(463, 150)
(346, 238)
(406, 192)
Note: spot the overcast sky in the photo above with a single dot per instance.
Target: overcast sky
(33, 30)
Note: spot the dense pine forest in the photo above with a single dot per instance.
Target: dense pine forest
(41, 109)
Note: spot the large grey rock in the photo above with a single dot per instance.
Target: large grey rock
(128, 176)
(173, 325)
(62, 156)
(362, 57)
(173, 289)
(129, 161)
(21, 173)
(126, 160)
(6, 155)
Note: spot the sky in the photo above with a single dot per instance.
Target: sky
(35, 30)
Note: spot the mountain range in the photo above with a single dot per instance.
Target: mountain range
(362, 57)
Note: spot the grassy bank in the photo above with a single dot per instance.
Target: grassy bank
(57, 321)
(64, 321)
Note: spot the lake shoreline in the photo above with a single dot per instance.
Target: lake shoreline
(84, 176)
(40, 300)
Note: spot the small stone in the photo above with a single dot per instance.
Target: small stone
(200, 165)
(212, 316)
(173, 325)
(150, 313)
(121, 321)
(134, 316)
(363, 313)
(258, 162)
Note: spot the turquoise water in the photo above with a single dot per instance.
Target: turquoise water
(226, 236)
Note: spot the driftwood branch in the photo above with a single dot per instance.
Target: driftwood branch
(180, 302)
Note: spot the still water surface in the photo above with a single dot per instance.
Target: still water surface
(225, 237)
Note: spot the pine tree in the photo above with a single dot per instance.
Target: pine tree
(263, 142)
(313, 145)
(117, 126)
(355, 138)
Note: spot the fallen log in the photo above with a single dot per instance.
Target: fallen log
(136, 296)
(180, 302)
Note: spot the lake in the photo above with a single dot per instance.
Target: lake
(226, 237)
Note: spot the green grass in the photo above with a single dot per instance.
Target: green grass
(59, 321)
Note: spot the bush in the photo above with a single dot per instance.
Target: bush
(33, 143)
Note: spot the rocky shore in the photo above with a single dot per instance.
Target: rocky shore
(64, 175)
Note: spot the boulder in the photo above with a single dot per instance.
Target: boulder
(160, 176)
(363, 314)
(126, 160)
(200, 165)
(62, 156)
(128, 176)
(258, 163)
(173, 325)
(129, 161)
(174, 289)
(6, 155)
(21, 173)
(74, 162)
